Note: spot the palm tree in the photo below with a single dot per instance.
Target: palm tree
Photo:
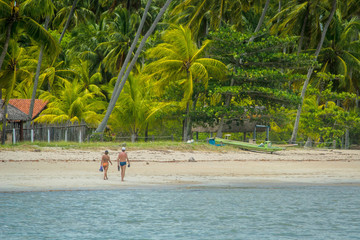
(11, 75)
(310, 71)
(72, 103)
(209, 14)
(122, 26)
(301, 19)
(71, 15)
(89, 82)
(128, 4)
(126, 69)
(54, 74)
(341, 55)
(84, 44)
(136, 108)
(18, 16)
(179, 60)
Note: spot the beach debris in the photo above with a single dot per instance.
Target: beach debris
(191, 159)
(147, 163)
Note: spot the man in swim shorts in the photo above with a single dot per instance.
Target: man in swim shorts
(105, 163)
(121, 161)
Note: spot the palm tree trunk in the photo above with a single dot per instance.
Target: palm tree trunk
(37, 74)
(146, 132)
(227, 104)
(303, 30)
(3, 134)
(68, 20)
(187, 122)
(310, 71)
(132, 47)
(6, 44)
(4, 125)
(117, 91)
(261, 20)
(279, 10)
(188, 118)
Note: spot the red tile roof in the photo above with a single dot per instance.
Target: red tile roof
(24, 105)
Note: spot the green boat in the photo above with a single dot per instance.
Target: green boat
(266, 147)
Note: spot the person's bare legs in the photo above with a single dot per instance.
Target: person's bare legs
(123, 172)
(105, 173)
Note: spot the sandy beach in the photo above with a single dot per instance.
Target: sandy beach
(53, 169)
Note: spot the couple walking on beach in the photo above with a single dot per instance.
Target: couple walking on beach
(121, 163)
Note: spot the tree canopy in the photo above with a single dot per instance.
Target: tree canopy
(134, 67)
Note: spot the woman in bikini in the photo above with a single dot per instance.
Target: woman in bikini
(105, 163)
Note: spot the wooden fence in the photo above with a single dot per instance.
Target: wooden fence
(68, 132)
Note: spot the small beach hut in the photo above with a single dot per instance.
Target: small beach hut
(231, 126)
(14, 115)
(18, 111)
(24, 106)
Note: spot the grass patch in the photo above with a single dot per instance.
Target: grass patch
(115, 146)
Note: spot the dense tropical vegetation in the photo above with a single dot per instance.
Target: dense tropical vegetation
(143, 67)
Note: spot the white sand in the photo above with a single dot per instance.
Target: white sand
(56, 169)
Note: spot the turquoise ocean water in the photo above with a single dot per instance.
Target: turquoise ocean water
(192, 212)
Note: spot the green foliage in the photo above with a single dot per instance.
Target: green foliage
(72, 102)
(137, 108)
(261, 72)
(326, 121)
(183, 69)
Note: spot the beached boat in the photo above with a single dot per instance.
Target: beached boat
(265, 147)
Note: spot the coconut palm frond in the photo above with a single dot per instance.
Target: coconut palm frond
(39, 34)
(5, 10)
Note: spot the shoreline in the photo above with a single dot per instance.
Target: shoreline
(77, 170)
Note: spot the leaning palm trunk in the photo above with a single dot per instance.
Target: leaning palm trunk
(68, 20)
(302, 34)
(6, 44)
(118, 89)
(310, 71)
(132, 47)
(261, 20)
(36, 81)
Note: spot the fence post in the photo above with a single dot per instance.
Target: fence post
(334, 144)
(172, 137)
(66, 131)
(14, 136)
(153, 138)
(32, 135)
(48, 135)
(80, 140)
(347, 139)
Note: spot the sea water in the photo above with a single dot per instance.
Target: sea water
(185, 212)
